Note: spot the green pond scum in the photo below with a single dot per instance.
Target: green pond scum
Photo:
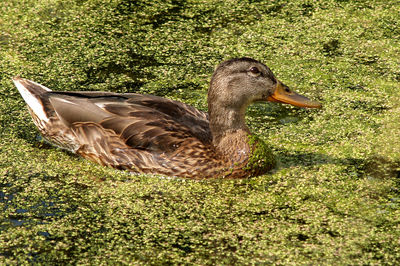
(333, 197)
(262, 156)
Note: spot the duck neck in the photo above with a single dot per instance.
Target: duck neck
(230, 133)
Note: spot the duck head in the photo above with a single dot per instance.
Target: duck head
(237, 83)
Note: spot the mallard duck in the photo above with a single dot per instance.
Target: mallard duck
(151, 134)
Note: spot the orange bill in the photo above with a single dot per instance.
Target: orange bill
(283, 94)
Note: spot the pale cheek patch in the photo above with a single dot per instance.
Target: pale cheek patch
(32, 101)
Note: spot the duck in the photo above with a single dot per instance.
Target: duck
(147, 134)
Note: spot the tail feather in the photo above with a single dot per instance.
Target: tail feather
(32, 92)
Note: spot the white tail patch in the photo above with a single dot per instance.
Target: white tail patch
(31, 100)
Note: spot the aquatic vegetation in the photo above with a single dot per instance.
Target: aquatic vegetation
(333, 197)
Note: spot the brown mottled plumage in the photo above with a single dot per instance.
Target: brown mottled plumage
(150, 134)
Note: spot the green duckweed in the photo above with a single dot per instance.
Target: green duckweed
(262, 158)
(333, 199)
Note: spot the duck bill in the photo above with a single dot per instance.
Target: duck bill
(283, 94)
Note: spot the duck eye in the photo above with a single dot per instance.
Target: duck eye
(254, 70)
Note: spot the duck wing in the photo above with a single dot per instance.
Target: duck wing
(144, 122)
